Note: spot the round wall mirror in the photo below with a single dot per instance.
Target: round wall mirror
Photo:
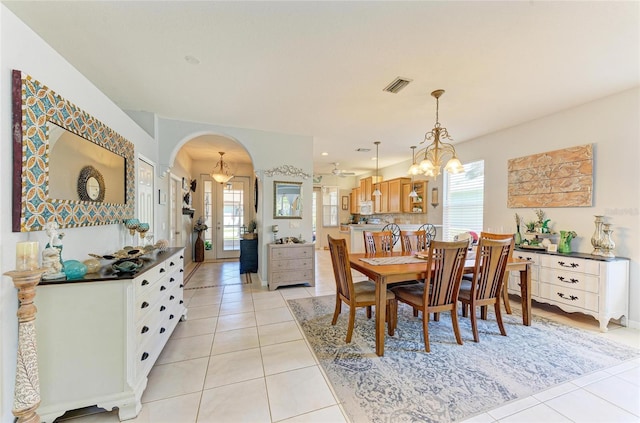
(90, 184)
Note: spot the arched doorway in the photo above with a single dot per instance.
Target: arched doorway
(224, 207)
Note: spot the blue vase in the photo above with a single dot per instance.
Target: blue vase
(74, 269)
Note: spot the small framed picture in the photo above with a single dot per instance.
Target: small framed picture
(552, 248)
(345, 202)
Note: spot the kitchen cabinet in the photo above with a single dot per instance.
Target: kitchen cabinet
(381, 202)
(355, 201)
(395, 194)
(98, 338)
(414, 204)
(366, 187)
(579, 283)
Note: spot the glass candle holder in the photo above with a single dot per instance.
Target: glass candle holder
(27, 255)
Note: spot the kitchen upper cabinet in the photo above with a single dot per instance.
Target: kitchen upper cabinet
(414, 204)
(395, 194)
(355, 201)
(367, 187)
(381, 202)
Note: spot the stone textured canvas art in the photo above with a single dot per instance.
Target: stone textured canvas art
(560, 178)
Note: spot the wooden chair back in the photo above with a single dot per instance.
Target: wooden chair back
(414, 241)
(378, 242)
(341, 266)
(442, 284)
(492, 256)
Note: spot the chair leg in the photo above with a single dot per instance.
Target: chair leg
(483, 312)
(474, 323)
(425, 330)
(415, 312)
(454, 323)
(368, 312)
(337, 310)
(436, 317)
(352, 321)
(505, 295)
(503, 332)
(464, 309)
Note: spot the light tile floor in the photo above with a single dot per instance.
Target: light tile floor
(241, 357)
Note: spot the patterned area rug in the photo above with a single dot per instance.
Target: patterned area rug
(453, 382)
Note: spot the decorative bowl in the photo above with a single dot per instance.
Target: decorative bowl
(127, 266)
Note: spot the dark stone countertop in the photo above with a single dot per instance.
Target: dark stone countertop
(570, 255)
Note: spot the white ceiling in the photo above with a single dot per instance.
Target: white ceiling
(318, 68)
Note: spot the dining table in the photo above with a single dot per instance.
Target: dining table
(388, 268)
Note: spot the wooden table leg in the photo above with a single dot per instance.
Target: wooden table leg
(525, 294)
(381, 301)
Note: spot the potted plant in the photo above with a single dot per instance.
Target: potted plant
(251, 230)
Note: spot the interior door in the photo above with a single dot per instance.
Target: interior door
(231, 214)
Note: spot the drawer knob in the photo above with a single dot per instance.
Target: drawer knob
(182, 270)
(170, 316)
(145, 329)
(567, 297)
(571, 265)
(162, 270)
(181, 302)
(144, 356)
(181, 285)
(162, 308)
(181, 257)
(162, 330)
(162, 288)
(171, 297)
(172, 280)
(144, 304)
(144, 282)
(172, 264)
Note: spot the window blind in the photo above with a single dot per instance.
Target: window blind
(463, 202)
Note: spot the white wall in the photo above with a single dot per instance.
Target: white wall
(611, 124)
(22, 49)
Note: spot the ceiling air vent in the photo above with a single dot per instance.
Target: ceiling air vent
(397, 84)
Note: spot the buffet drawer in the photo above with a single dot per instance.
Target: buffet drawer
(568, 296)
(292, 253)
(574, 280)
(278, 265)
(579, 265)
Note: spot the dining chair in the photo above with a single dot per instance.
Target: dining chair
(492, 256)
(441, 285)
(430, 229)
(414, 241)
(359, 294)
(466, 279)
(378, 242)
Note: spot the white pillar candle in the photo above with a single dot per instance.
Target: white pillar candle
(27, 255)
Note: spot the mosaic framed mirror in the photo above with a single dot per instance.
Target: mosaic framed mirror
(68, 167)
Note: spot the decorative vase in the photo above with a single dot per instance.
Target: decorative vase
(596, 239)
(518, 239)
(199, 247)
(607, 245)
(564, 246)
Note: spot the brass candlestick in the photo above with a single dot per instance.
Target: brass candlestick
(26, 398)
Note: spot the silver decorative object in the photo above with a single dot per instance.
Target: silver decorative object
(287, 170)
(596, 239)
(607, 244)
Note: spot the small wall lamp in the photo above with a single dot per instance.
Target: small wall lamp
(434, 197)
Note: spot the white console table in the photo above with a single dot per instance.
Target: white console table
(98, 338)
(578, 283)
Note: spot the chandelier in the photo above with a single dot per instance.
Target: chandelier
(221, 172)
(433, 154)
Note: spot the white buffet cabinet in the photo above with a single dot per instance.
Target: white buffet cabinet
(98, 338)
(578, 283)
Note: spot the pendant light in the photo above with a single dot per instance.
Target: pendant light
(377, 192)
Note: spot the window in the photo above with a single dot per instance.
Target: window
(463, 203)
(329, 206)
